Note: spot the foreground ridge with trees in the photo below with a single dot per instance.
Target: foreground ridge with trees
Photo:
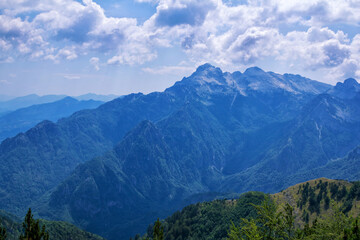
(3, 234)
(273, 223)
(317, 209)
(39, 229)
(31, 229)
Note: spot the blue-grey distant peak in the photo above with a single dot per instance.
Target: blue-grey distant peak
(351, 82)
(254, 71)
(346, 90)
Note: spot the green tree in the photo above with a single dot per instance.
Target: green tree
(158, 233)
(288, 221)
(234, 233)
(333, 227)
(327, 203)
(270, 220)
(270, 224)
(31, 229)
(355, 230)
(2, 233)
(248, 231)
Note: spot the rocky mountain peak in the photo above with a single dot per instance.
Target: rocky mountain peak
(209, 71)
(209, 79)
(254, 71)
(346, 90)
(351, 82)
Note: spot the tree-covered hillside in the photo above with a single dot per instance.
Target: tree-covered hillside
(317, 209)
(57, 230)
(209, 220)
(316, 197)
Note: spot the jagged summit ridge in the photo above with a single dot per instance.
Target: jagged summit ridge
(207, 73)
(210, 78)
(351, 82)
(346, 90)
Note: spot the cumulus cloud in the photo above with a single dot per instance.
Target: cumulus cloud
(94, 61)
(350, 66)
(172, 13)
(335, 53)
(297, 31)
(68, 53)
(81, 27)
(135, 55)
(330, 49)
(19, 35)
(312, 12)
(253, 44)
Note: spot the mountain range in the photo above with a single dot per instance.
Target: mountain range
(23, 119)
(9, 104)
(114, 169)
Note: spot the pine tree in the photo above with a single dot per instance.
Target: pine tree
(235, 232)
(270, 219)
(356, 230)
(158, 231)
(289, 221)
(247, 231)
(2, 233)
(31, 228)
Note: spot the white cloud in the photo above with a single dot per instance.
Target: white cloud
(350, 67)
(4, 45)
(94, 61)
(72, 76)
(137, 48)
(328, 50)
(6, 59)
(225, 34)
(136, 55)
(18, 34)
(244, 34)
(4, 82)
(82, 26)
(68, 53)
(147, 1)
(172, 13)
(169, 70)
(313, 12)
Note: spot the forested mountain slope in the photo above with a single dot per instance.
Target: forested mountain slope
(315, 205)
(112, 170)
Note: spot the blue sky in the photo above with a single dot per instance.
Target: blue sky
(107, 46)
